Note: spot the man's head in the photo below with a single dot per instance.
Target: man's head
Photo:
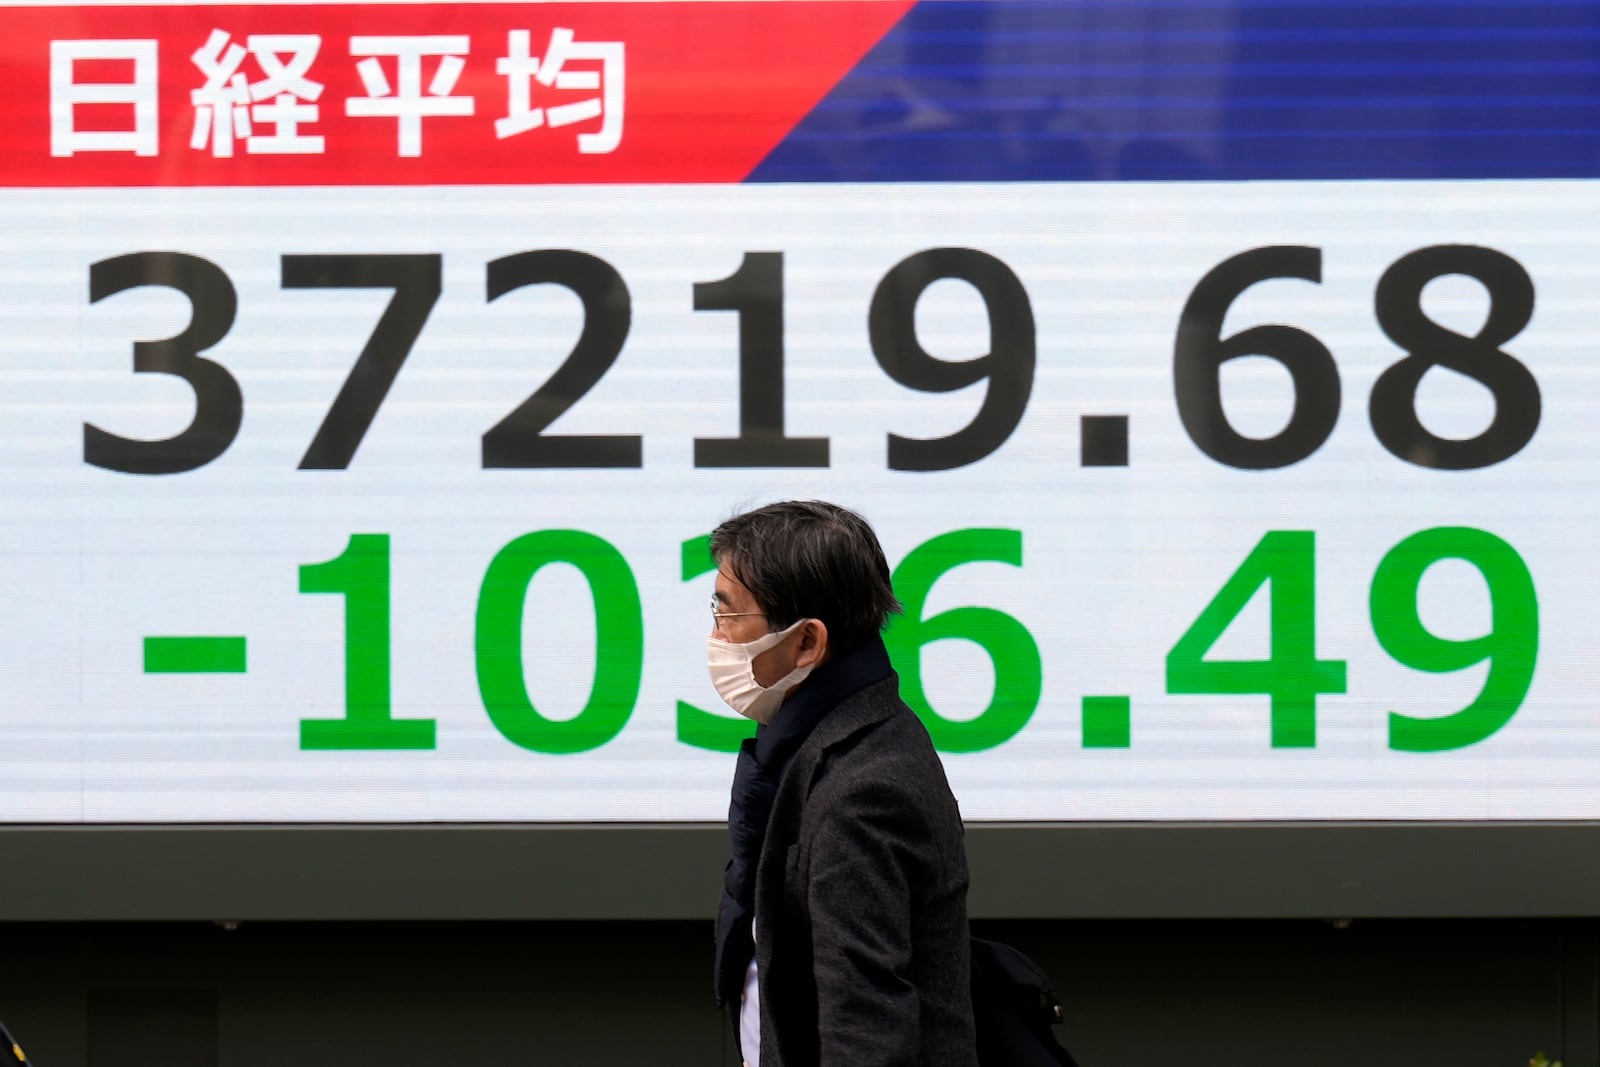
(807, 559)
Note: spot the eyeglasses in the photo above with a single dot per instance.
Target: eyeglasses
(718, 616)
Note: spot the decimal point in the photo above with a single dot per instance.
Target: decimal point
(1104, 441)
(1107, 722)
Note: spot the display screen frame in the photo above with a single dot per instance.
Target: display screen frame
(1179, 861)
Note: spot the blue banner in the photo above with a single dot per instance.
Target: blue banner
(1144, 90)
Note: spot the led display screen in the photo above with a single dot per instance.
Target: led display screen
(1220, 380)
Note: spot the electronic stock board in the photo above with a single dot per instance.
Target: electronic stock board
(1219, 378)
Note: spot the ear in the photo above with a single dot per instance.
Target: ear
(813, 648)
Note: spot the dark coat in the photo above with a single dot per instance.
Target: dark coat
(861, 898)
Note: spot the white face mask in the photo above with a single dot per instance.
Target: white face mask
(733, 672)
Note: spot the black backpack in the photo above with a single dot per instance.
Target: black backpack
(1015, 1009)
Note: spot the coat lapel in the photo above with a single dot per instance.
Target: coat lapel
(863, 709)
(781, 863)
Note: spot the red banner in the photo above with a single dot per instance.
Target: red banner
(417, 94)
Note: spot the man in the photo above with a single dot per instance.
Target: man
(842, 930)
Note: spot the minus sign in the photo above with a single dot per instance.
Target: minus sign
(194, 655)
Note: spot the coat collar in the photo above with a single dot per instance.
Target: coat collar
(810, 715)
(851, 718)
(841, 716)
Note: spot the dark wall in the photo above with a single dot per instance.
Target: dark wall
(1298, 993)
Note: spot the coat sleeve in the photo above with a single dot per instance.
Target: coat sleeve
(863, 867)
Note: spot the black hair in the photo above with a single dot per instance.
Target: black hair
(808, 559)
